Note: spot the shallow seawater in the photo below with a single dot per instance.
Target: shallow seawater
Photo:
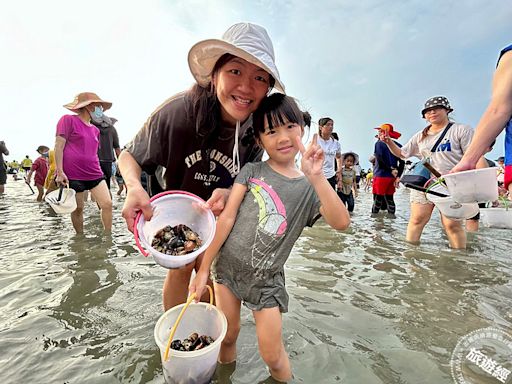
(365, 307)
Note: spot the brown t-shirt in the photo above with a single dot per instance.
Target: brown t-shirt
(169, 139)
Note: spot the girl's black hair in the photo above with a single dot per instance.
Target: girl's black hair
(349, 155)
(278, 109)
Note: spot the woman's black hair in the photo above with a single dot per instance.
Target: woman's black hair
(278, 109)
(322, 122)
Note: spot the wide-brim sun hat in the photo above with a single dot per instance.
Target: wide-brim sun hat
(356, 156)
(85, 98)
(248, 41)
(436, 101)
(387, 127)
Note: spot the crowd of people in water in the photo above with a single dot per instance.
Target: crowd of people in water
(210, 140)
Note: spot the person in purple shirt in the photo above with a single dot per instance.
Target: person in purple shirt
(76, 155)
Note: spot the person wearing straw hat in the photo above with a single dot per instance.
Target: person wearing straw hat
(204, 135)
(40, 168)
(386, 173)
(76, 157)
(443, 157)
(3, 169)
(496, 118)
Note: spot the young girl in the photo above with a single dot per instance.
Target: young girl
(270, 204)
(40, 168)
(347, 185)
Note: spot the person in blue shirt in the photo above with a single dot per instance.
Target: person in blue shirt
(386, 173)
(496, 118)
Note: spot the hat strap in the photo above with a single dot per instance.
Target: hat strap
(236, 154)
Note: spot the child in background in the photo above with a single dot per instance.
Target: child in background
(40, 167)
(270, 204)
(347, 184)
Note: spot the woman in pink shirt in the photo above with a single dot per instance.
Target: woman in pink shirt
(76, 155)
(40, 167)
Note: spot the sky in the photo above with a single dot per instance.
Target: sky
(362, 63)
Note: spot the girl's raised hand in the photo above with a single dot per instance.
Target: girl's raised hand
(312, 157)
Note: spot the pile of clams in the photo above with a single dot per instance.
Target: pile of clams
(192, 343)
(177, 241)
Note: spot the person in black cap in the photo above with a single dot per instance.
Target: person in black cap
(444, 143)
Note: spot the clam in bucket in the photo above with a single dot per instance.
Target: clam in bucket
(190, 367)
(473, 186)
(173, 208)
(449, 207)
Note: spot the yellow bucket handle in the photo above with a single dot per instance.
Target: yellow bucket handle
(173, 329)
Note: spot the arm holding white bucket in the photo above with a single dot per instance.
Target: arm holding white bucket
(495, 117)
(137, 198)
(61, 178)
(225, 224)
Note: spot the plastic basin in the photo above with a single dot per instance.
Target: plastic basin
(451, 208)
(496, 217)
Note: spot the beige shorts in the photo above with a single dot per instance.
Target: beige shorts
(419, 197)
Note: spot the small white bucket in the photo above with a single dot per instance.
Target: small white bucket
(194, 367)
(450, 208)
(496, 217)
(473, 186)
(173, 208)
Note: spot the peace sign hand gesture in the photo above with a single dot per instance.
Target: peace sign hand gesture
(312, 158)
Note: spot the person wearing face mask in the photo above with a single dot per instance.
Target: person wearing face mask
(77, 164)
(40, 168)
(202, 137)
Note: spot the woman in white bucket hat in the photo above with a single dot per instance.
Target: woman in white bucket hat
(203, 136)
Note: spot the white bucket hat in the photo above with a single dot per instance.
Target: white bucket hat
(245, 40)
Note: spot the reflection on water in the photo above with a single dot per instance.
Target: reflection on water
(365, 307)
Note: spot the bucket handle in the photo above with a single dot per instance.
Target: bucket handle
(173, 329)
(136, 234)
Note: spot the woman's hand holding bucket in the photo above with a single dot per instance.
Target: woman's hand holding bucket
(137, 200)
(217, 200)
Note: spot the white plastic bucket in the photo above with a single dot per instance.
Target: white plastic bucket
(195, 367)
(62, 200)
(173, 208)
(496, 217)
(473, 186)
(450, 208)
